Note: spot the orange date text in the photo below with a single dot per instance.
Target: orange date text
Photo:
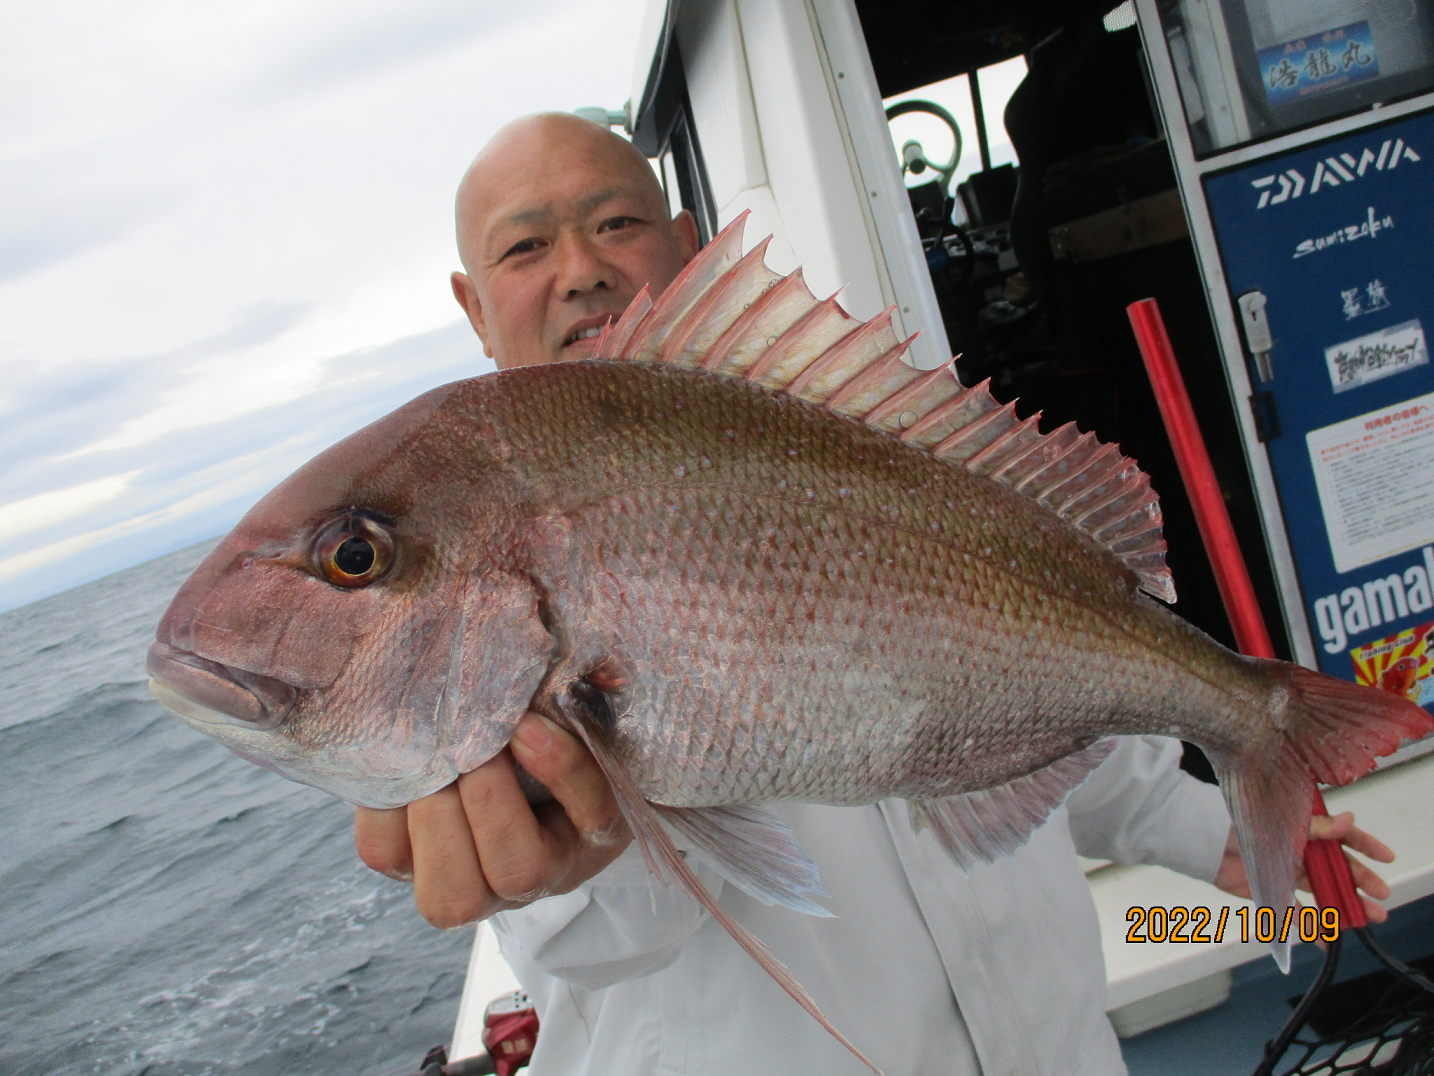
(1177, 923)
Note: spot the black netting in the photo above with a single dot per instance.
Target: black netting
(1381, 1024)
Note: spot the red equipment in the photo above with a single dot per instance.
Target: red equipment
(510, 1032)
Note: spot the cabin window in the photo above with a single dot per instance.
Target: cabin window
(665, 131)
(684, 175)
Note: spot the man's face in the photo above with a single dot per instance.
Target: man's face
(560, 229)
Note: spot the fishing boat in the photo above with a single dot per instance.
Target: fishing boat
(1201, 153)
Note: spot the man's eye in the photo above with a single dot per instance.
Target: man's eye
(523, 246)
(614, 224)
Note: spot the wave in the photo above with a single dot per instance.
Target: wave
(170, 908)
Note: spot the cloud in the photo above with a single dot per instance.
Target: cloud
(196, 482)
(258, 325)
(365, 43)
(225, 236)
(43, 417)
(58, 505)
(26, 247)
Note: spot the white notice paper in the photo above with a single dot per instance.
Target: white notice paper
(1375, 475)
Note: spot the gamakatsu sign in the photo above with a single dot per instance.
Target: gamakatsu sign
(1357, 609)
(1333, 171)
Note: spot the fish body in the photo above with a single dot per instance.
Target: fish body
(837, 618)
(746, 554)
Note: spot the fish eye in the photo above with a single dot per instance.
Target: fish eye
(353, 551)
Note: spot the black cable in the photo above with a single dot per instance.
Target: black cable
(1275, 1049)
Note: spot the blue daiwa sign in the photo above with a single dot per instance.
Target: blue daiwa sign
(1332, 241)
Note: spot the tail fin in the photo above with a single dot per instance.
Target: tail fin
(1332, 733)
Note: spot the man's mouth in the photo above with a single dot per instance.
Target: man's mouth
(588, 329)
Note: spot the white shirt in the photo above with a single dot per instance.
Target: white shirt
(926, 969)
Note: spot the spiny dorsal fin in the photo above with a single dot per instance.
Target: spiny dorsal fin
(748, 281)
(684, 295)
(732, 315)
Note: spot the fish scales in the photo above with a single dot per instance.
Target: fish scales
(845, 613)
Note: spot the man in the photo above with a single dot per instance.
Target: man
(560, 224)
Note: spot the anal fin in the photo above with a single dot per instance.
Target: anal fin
(983, 826)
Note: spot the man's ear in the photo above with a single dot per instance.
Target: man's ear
(684, 228)
(467, 296)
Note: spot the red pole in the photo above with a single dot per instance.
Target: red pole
(1324, 860)
(1204, 491)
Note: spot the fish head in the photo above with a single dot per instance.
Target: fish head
(366, 628)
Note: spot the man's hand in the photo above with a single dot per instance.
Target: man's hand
(478, 847)
(1231, 876)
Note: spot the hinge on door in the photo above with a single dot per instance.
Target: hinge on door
(1267, 419)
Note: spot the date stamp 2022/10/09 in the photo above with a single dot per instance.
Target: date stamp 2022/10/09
(1263, 924)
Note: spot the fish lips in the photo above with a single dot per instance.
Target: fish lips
(206, 692)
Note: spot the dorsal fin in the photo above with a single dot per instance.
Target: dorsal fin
(730, 314)
(684, 295)
(613, 339)
(734, 293)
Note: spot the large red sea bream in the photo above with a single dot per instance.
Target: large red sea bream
(747, 554)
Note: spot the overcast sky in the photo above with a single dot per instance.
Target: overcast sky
(225, 237)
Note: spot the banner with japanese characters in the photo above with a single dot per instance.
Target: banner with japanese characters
(1319, 63)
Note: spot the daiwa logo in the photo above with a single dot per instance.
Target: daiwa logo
(1332, 172)
(1357, 609)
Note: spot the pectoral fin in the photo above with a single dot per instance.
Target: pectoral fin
(753, 849)
(587, 712)
(497, 657)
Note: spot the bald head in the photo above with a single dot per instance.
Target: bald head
(560, 224)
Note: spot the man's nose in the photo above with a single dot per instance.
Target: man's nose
(581, 269)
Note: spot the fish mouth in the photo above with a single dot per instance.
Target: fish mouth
(207, 692)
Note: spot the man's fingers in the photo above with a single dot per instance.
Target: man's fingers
(1369, 846)
(1341, 828)
(1331, 827)
(381, 838)
(1366, 880)
(449, 887)
(519, 858)
(564, 765)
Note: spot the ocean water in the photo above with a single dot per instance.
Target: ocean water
(168, 909)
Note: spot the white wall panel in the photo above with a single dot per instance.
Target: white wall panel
(715, 60)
